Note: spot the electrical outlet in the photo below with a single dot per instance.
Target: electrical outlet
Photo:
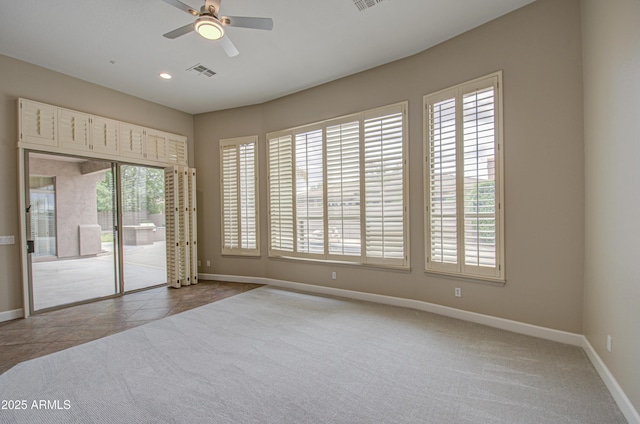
(7, 240)
(609, 343)
(199, 262)
(334, 275)
(458, 292)
(208, 263)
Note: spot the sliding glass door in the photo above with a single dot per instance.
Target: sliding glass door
(143, 227)
(97, 229)
(71, 226)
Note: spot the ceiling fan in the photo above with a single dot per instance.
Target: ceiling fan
(211, 26)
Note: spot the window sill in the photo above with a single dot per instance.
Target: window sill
(394, 268)
(242, 255)
(498, 282)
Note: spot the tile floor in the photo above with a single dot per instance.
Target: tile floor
(50, 332)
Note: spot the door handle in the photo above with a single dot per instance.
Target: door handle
(31, 248)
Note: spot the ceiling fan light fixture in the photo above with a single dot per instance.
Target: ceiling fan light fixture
(209, 28)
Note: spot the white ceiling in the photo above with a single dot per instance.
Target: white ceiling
(119, 43)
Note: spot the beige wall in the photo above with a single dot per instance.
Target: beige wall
(75, 195)
(611, 40)
(538, 48)
(19, 79)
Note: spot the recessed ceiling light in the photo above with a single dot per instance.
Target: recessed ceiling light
(165, 75)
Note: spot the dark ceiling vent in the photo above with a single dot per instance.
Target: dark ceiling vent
(365, 4)
(202, 70)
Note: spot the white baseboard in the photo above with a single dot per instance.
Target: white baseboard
(9, 315)
(504, 324)
(625, 405)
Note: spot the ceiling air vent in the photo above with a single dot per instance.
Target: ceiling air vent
(365, 4)
(202, 70)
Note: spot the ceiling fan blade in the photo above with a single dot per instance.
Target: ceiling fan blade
(247, 22)
(228, 46)
(182, 6)
(179, 31)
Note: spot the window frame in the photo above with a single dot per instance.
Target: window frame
(460, 268)
(362, 258)
(239, 250)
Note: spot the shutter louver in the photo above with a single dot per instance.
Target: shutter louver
(343, 189)
(384, 187)
(281, 193)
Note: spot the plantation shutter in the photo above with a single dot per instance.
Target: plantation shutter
(248, 200)
(230, 198)
(480, 203)
(464, 217)
(281, 193)
(309, 192)
(442, 208)
(239, 197)
(343, 188)
(384, 185)
(181, 231)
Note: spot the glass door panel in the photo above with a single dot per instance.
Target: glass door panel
(71, 222)
(143, 227)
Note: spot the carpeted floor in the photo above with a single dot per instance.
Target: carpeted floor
(276, 356)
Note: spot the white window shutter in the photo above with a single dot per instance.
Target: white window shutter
(384, 174)
(104, 135)
(230, 225)
(442, 211)
(479, 186)
(181, 226)
(309, 179)
(73, 129)
(248, 197)
(281, 194)
(238, 165)
(464, 218)
(38, 123)
(131, 140)
(343, 189)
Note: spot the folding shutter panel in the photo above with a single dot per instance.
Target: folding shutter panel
(104, 135)
(480, 208)
(131, 140)
(230, 236)
(442, 185)
(193, 225)
(157, 146)
(281, 193)
(384, 185)
(38, 123)
(181, 215)
(343, 189)
(247, 184)
(73, 130)
(309, 193)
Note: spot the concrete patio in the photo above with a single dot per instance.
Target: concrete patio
(64, 281)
